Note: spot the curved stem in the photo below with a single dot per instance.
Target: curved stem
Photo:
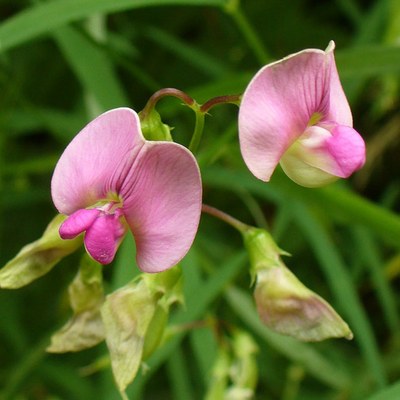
(209, 104)
(151, 103)
(239, 225)
(198, 129)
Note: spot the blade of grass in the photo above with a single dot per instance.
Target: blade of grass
(204, 347)
(92, 67)
(67, 378)
(340, 281)
(338, 202)
(24, 368)
(390, 393)
(179, 377)
(370, 254)
(197, 58)
(45, 17)
(368, 60)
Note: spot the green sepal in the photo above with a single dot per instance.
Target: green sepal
(167, 285)
(262, 250)
(155, 331)
(85, 328)
(127, 314)
(153, 128)
(39, 257)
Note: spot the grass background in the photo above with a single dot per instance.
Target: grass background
(62, 62)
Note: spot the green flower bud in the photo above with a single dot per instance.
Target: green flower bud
(85, 329)
(38, 258)
(153, 128)
(284, 304)
(287, 306)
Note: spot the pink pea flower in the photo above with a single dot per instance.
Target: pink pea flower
(294, 112)
(110, 178)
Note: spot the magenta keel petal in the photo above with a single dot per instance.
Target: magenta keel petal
(103, 237)
(77, 223)
(347, 148)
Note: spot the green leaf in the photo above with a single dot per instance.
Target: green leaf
(38, 258)
(45, 17)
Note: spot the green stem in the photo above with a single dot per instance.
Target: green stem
(247, 31)
(198, 128)
(240, 226)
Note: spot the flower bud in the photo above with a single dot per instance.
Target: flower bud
(153, 128)
(284, 304)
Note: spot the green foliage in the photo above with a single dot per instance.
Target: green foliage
(64, 61)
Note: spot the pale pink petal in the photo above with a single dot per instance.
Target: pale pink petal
(162, 204)
(282, 100)
(103, 237)
(77, 223)
(339, 108)
(96, 161)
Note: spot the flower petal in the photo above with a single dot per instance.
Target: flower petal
(78, 222)
(97, 160)
(103, 237)
(347, 148)
(280, 101)
(162, 204)
(323, 154)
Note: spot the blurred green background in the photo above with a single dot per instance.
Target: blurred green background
(63, 62)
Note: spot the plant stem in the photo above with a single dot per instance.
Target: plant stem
(240, 226)
(151, 103)
(209, 104)
(198, 129)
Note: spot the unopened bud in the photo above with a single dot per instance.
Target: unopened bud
(286, 306)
